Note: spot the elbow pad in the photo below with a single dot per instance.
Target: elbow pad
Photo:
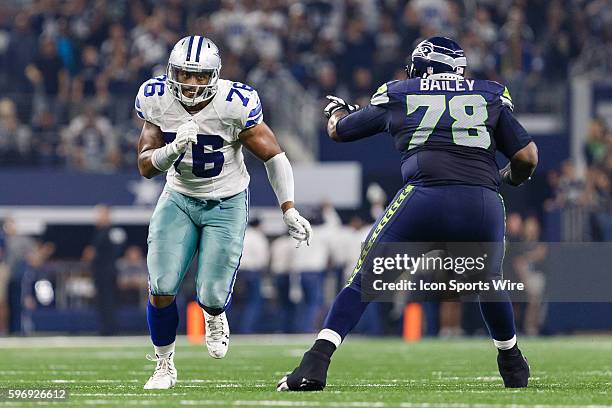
(280, 175)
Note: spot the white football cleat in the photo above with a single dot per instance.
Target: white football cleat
(164, 376)
(217, 334)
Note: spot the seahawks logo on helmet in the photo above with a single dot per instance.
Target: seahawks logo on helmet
(423, 49)
(436, 55)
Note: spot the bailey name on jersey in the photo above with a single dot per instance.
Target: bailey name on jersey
(451, 86)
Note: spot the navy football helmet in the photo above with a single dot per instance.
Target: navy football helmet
(436, 55)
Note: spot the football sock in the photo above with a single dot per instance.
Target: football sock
(324, 347)
(512, 351)
(164, 351)
(163, 323)
(345, 312)
(499, 318)
(330, 336)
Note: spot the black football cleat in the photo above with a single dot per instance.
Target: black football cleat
(310, 375)
(514, 368)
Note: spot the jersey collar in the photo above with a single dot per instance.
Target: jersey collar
(445, 75)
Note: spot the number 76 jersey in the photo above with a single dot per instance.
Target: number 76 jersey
(214, 167)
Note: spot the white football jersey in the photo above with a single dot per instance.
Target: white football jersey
(214, 167)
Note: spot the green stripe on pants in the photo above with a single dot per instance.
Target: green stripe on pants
(391, 210)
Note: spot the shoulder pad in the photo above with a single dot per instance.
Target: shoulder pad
(240, 103)
(500, 91)
(381, 96)
(153, 99)
(504, 96)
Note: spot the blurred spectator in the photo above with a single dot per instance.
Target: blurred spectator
(570, 187)
(35, 269)
(15, 138)
(280, 267)
(17, 245)
(311, 263)
(552, 188)
(362, 86)
(90, 142)
(596, 147)
(88, 82)
(115, 43)
(133, 277)
(388, 47)
(66, 46)
(514, 227)
(102, 254)
(254, 261)
(351, 240)
(152, 41)
(128, 144)
(45, 131)
(5, 274)
(17, 249)
(359, 47)
(21, 49)
(528, 267)
(47, 72)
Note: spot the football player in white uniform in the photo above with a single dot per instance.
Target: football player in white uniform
(194, 130)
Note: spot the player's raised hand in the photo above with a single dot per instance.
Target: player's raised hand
(299, 227)
(186, 133)
(336, 104)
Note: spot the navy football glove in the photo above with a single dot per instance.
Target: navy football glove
(336, 104)
(506, 176)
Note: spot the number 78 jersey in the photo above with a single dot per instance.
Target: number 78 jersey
(448, 128)
(214, 167)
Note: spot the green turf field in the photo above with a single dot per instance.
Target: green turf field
(364, 373)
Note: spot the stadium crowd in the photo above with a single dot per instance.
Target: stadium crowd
(69, 70)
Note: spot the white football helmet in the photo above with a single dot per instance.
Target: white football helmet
(193, 54)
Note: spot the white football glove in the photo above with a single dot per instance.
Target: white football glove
(336, 104)
(186, 133)
(299, 227)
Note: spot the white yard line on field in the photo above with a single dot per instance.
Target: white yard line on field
(47, 342)
(160, 399)
(357, 404)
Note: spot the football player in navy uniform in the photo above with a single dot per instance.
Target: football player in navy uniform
(447, 129)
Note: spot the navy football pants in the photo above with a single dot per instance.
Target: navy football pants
(435, 214)
(440, 214)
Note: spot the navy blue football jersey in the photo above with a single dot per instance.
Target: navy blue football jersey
(447, 129)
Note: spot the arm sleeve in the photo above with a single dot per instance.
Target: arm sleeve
(510, 136)
(280, 175)
(368, 121)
